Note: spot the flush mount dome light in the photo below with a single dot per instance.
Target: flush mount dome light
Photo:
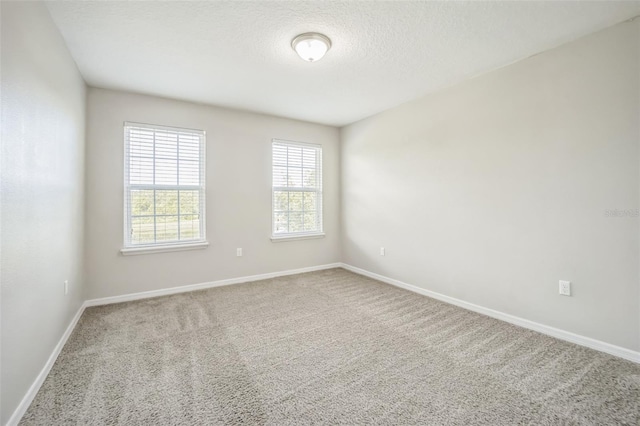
(311, 46)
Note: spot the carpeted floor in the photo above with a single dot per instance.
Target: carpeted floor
(327, 347)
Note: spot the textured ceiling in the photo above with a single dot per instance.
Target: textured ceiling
(238, 54)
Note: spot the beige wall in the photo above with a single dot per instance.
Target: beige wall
(493, 190)
(43, 118)
(238, 183)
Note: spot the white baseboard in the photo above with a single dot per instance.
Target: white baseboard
(202, 286)
(598, 345)
(35, 386)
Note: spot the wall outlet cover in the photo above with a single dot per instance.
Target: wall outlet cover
(565, 288)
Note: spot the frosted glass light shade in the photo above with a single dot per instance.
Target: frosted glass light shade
(311, 46)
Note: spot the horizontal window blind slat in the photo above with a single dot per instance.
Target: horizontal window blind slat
(295, 189)
(164, 187)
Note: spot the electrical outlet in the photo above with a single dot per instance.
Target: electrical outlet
(565, 288)
(239, 252)
(66, 286)
(381, 251)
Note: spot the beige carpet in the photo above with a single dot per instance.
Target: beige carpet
(328, 347)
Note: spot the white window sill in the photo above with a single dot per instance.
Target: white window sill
(282, 238)
(131, 251)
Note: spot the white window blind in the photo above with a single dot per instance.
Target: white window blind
(297, 188)
(164, 185)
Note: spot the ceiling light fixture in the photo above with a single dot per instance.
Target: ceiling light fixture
(311, 46)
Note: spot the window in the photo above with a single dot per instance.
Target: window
(164, 187)
(297, 189)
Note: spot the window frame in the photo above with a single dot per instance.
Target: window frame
(163, 246)
(319, 190)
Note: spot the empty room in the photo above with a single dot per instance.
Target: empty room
(320, 212)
